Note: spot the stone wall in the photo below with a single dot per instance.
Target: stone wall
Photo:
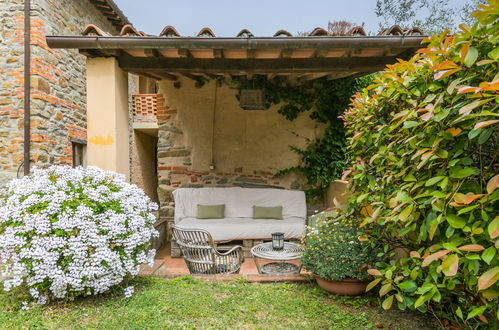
(245, 148)
(58, 106)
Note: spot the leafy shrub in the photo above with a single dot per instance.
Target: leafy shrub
(333, 250)
(424, 143)
(67, 232)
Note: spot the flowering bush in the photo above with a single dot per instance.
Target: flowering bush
(67, 232)
(333, 250)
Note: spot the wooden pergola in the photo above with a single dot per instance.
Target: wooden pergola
(169, 56)
(212, 57)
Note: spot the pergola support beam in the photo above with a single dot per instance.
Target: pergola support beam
(255, 66)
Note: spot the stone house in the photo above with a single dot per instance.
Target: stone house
(183, 134)
(58, 80)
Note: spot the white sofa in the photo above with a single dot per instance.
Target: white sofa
(238, 223)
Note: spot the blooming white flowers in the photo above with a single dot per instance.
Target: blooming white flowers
(73, 231)
(129, 291)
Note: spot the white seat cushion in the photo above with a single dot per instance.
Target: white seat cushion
(239, 201)
(246, 228)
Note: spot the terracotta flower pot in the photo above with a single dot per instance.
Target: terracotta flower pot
(346, 287)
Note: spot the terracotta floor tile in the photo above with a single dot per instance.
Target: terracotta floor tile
(166, 266)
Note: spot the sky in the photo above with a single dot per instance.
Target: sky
(262, 17)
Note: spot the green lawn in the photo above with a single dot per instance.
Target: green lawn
(191, 303)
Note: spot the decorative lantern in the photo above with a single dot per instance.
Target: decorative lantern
(277, 241)
(252, 99)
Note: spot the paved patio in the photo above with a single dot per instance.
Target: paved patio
(167, 267)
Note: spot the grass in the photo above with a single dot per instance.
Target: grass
(191, 303)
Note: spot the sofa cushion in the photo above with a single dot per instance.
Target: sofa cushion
(239, 201)
(267, 212)
(211, 211)
(246, 228)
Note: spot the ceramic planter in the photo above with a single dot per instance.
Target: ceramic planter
(346, 287)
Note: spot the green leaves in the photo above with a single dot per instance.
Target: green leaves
(471, 56)
(461, 172)
(410, 124)
(489, 254)
(455, 221)
(405, 213)
(450, 265)
(387, 303)
(408, 286)
(466, 110)
(434, 180)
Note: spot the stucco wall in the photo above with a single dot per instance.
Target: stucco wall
(246, 147)
(58, 80)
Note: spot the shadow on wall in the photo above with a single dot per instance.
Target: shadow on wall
(145, 173)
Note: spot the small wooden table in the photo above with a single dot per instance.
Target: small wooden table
(291, 251)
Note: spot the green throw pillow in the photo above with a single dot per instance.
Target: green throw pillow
(267, 212)
(211, 211)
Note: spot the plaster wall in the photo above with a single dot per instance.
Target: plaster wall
(107, 115)
(205, 126)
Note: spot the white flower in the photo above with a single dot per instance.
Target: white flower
(129, 292)
(81, 230)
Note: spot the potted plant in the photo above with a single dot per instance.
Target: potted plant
(334, 253)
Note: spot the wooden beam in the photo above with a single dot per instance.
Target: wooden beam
(286, 53)
(154, 75)
(209, 75)
(314, 76)
(319, 53)
(112, 52)
(184, 53)
(256, 66)
(339, 75)
(250, 53)
(218, 53)
(152, 52)
(167, 76)
(190, 76)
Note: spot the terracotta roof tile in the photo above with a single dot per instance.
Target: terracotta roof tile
(414, 32)
(169, 31)
(282, 33)
(129, 31)
(318, 32)
(395, 30)
(357, 31)
(93, 30)
(245, 33)
(206, 32)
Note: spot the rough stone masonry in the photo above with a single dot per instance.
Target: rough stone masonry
(58, 108)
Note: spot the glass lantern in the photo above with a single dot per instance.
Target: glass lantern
(277, 241)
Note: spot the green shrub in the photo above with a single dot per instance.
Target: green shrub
(424, 150)
(333, 250)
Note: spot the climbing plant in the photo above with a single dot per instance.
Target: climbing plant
(323, 160)
(425, 175)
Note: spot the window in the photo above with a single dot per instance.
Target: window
(78, 152)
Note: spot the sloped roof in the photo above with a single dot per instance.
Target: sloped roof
(112, 12)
